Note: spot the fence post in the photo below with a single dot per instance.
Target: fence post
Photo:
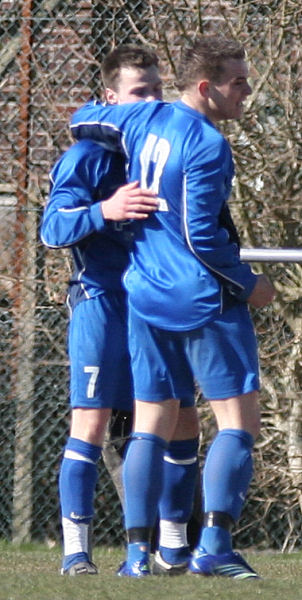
(23, 304)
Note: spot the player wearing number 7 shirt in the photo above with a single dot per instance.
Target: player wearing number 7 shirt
(89, 212)
(188, 297)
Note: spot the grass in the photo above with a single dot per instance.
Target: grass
(31, 573)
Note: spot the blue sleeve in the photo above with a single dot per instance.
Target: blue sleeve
(208, 180)
(72, 212)
(110, 125)
(102, 123)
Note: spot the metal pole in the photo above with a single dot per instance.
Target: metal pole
(293, 255)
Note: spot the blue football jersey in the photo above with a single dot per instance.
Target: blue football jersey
(185, 267)
(85, 175)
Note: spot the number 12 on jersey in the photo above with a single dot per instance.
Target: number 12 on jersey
(153, 158)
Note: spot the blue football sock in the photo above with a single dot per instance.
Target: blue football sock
(77, 481)
(227, 473)
(180, 471)
(143, 477)
(176, 501)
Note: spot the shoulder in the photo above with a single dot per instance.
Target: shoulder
(83, 150)
(94, 112)
(205, 140)
(82, 161)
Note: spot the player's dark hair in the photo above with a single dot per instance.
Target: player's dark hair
(204, 57)
(126, 55)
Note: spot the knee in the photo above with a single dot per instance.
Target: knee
(239, 412)
(90, 425)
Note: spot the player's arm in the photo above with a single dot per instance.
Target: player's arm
(72, 213)
(207, 239)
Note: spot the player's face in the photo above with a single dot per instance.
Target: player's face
(136, 85)
(226, 97)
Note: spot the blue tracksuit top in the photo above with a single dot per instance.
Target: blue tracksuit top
(84, 175)
(185, 268)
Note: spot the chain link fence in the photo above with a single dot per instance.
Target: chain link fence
(50, 56)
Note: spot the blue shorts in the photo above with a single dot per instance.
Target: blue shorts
(222, 357)
(100, 374)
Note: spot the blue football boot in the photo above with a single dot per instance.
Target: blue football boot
(230, 564)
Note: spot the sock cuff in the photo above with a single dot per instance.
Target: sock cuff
(183, 449)
(86, 449)
(150, 437)
(245, 436)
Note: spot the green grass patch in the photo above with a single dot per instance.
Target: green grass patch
(31, 572)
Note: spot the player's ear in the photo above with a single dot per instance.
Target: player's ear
(203, 88)
(111, 96)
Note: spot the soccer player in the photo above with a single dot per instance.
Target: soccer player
(88, 212)
(188, 298)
